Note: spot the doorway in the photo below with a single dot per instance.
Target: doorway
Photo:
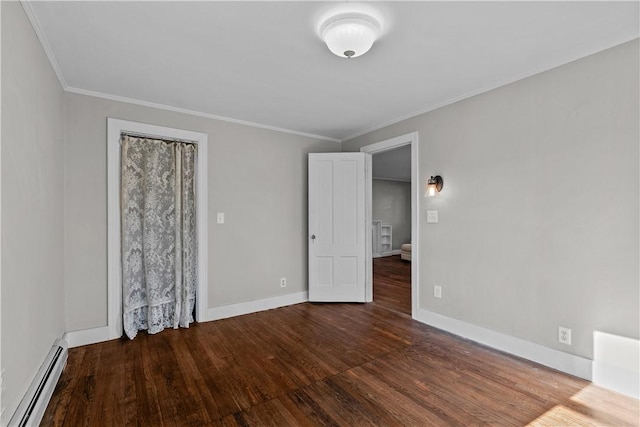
(115, 128)
(393, 148)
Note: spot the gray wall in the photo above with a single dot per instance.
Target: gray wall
(32, 206)
(391, 203)
(538, 218)
(257, 177)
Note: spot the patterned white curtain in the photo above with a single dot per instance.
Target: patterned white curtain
(159, 240)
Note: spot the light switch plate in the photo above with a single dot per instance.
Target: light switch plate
(432, 217)
(220, 217)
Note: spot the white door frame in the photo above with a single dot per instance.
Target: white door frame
(114, 268)
(386, 145)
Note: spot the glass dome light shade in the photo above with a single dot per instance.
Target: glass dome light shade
(350, 35)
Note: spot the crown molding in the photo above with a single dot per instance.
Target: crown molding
(44, 42)
(547, 66)
(194, 113)
(35, 23)
(391, 179)
(46, 46)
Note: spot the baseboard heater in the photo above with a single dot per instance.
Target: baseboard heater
(32, 406)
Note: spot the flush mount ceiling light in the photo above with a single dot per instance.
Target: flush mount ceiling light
(349, 35)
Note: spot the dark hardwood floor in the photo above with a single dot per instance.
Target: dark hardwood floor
(322, 364)
(392, 283)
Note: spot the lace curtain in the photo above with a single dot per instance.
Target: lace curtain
(159, 241)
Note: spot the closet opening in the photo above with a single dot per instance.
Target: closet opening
(157, 227)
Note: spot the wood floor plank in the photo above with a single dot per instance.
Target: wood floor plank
(323, 365)
(393, 283)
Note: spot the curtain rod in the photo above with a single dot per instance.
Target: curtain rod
(160, 138)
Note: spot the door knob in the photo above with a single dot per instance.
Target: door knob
(313, 237)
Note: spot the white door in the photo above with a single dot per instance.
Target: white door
(339, 230)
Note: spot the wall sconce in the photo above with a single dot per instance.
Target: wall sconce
(434, 185)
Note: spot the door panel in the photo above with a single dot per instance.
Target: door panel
(338, 229)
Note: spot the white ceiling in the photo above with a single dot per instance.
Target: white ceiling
(393, 164)
(262, 62)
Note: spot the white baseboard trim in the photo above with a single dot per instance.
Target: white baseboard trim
(101, 334)
(615, 363)
(565, 362)
(248, 307)
(390, 253)
(87, 336)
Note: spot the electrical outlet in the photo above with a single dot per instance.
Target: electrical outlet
(437, 291)
(564, 335)
(283, 282)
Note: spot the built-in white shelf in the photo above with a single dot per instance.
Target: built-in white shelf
(385, 239)
(382, 238)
